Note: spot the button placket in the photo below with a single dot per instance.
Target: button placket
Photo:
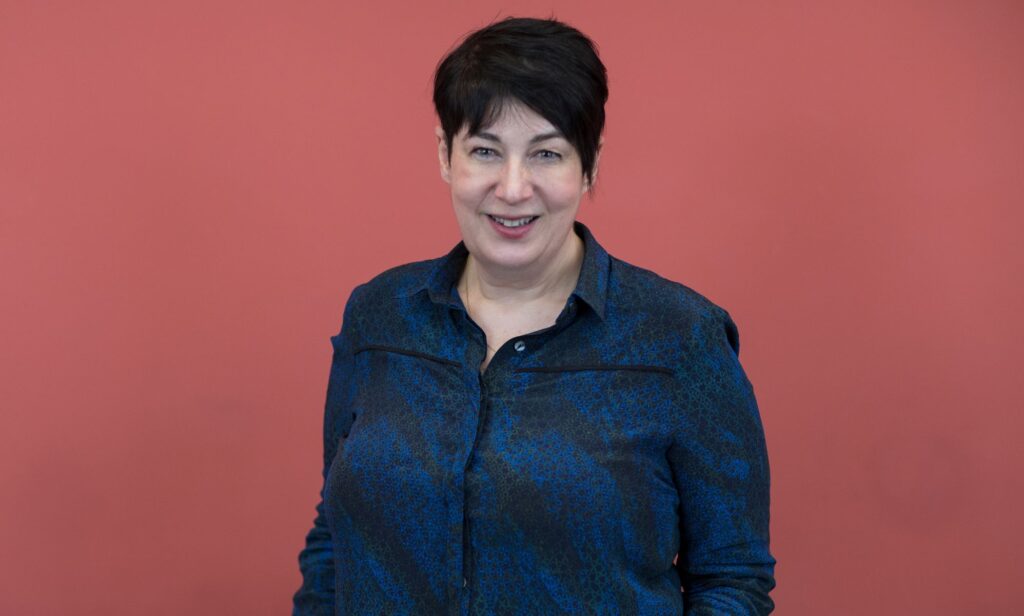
(458, 545)
(485, 382)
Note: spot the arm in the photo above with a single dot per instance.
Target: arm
(720, 465)
(316, 561)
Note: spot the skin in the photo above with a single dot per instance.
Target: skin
(518, 166)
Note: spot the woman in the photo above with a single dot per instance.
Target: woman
(528, 425)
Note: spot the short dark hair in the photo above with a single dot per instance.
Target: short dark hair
(545, 64)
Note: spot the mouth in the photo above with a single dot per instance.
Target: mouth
(513, 223)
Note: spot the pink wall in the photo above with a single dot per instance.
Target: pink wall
(189, 191)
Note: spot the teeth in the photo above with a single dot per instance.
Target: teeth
(519, 222)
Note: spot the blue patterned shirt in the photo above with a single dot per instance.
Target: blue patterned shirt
(563, 479)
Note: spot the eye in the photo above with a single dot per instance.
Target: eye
(549, 155)
(484, 152)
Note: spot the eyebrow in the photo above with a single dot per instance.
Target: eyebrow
(535, 139)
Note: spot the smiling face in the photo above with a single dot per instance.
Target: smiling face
(516, 187)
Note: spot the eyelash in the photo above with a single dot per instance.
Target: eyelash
(554, 155)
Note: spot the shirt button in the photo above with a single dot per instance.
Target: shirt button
(463, 582)
(519, 346)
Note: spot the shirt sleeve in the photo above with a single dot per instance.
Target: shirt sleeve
(316, 560)
(720, 466)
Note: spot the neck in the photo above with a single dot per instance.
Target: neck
(557, 278)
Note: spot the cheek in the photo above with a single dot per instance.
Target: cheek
(468, 190)
(463, 197)
(565, 193)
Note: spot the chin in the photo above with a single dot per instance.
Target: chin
(504, 259)
(509, 258)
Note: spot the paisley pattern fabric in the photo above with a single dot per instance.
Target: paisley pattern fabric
(564, 479)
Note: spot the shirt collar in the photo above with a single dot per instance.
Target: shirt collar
(591, 287)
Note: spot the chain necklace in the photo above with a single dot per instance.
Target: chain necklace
(469, 310)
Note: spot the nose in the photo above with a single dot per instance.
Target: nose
(514, 185)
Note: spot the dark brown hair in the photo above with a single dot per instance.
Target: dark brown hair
(545, 64)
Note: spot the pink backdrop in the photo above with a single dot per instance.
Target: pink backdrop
(189, 190)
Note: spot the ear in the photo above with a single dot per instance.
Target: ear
(597, 163)
(442, 155)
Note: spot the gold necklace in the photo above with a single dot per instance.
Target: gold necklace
(469, 310)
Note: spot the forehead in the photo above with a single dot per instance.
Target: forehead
(516, 120)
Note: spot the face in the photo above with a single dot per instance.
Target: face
(516, 187)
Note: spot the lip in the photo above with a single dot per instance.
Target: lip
(513, 233)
